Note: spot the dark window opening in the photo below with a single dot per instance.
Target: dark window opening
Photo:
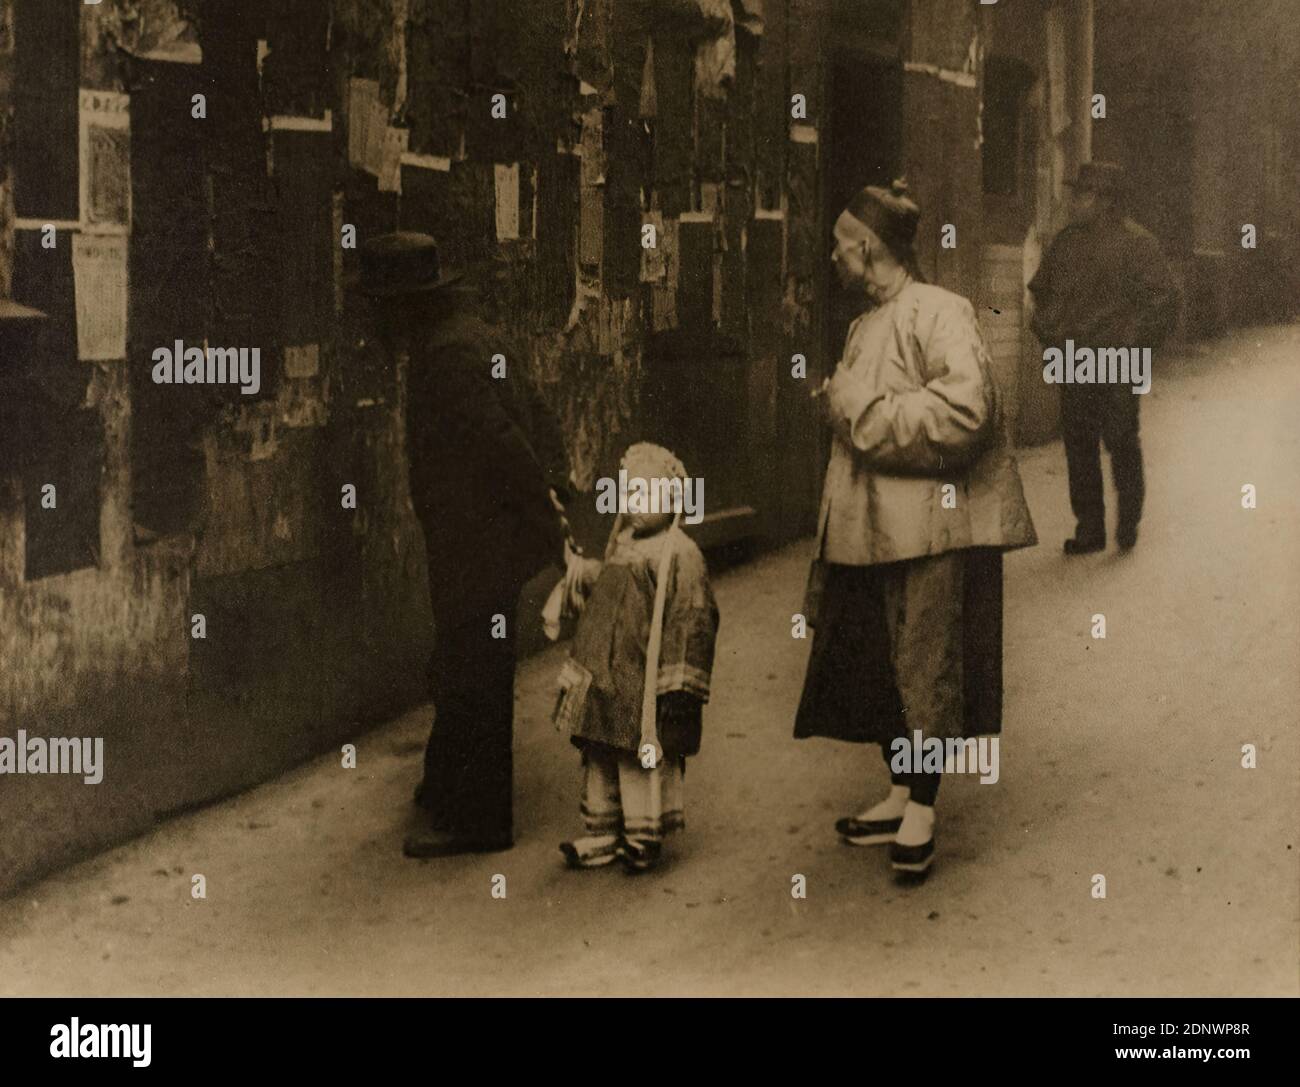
(1005, 85)
(170, 296)
(869, 25)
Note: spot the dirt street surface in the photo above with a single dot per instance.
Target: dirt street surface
(1120, 757)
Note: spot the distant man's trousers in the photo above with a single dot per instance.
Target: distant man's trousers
(1091, 414)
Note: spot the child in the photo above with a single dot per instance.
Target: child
(649, 614)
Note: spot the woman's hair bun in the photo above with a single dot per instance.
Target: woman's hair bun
(899, 186)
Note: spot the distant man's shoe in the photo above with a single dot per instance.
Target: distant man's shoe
(427, 842)
(857, 831)
(1085, 544)
(1126, 537)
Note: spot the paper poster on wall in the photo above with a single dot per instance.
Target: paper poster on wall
(376, 137)
(507, 189)
(363, 97)
(653, 268)
(105, 136)
(99, 274)
(664, 291)
(396, 141)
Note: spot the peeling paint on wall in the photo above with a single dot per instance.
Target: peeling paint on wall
(685, 122)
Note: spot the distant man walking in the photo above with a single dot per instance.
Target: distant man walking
(1103, 284)
(488, 473)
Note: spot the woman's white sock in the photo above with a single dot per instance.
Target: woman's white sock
(918, 825)
(889, 808)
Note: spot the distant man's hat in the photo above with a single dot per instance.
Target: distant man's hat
(1106, 178)
(401, 263)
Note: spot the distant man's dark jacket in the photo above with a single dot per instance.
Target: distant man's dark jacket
(483, 453)
(1104, 284)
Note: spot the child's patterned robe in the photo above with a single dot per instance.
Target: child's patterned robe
(602, 681)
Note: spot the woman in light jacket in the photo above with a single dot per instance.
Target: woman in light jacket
(921, 498)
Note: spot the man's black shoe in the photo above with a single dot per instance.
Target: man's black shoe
(427, 842)
(1085, 545)
(1126, 536)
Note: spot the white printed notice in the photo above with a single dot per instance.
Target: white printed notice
(105, 135)
(376, 137)
(396, 141)
(99, 274)
(363, 102)
(507, 185)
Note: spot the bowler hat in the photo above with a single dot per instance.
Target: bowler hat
(1100, 177)
(402, 263)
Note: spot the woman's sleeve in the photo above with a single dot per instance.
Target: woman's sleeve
(931, 428)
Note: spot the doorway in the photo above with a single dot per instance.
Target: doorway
(863, 147)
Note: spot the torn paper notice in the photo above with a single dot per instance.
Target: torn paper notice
(664, 292)
(948, 75)
(376, 137)
(507, 185)
(653, 268)
(99, 277)
(302, 361)
(591, 193)
(750, 18)
(593, 148)
(396, 141)
(715, 58)
(649, 93)
(105, 134)
(363, 94)
(532, 222)
(426, 162)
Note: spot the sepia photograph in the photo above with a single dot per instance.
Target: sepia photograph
(650, 498)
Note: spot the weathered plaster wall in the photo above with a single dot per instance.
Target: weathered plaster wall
(1203, 112)
(620, 111)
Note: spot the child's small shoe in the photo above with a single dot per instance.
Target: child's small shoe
(590, 852)
(640, 856)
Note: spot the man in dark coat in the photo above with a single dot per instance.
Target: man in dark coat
(1103, 284)
(488, 477)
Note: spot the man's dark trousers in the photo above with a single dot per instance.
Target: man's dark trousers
(1102, 413)
(468, 767)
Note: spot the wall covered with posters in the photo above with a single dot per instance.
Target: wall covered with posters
(203, 167)
(206, 170)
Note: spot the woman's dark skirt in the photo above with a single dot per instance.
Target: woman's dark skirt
(904, 646)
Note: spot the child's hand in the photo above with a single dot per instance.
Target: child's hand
(821, 400)
(579, 576)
